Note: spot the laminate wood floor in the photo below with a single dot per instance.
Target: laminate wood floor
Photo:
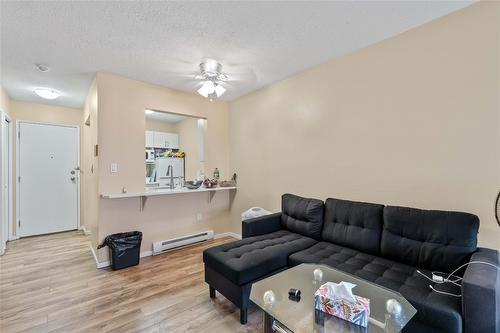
(50, 284)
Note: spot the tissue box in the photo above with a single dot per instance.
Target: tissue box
(354, 312)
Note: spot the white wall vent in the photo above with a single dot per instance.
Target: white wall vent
(175, 243)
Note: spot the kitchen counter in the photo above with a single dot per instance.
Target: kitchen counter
(155, 191)
(148, 192)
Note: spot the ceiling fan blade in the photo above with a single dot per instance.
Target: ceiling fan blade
(240, 73)
(187, 75)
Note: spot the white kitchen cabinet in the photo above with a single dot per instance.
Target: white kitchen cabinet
(149, 139)
(172, 141)
(162, 140)
(159, 139)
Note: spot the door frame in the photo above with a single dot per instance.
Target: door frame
(10, 226)
(10, 205)
(18, 150)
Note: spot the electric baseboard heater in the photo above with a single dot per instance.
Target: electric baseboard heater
(175, 243)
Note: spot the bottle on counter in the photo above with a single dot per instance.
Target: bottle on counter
(216, 174)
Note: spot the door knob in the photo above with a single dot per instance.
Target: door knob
(73, 178)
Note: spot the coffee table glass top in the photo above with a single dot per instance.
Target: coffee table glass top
(301, 317)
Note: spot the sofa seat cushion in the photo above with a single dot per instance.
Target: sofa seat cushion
(438, 311)
(251, 258)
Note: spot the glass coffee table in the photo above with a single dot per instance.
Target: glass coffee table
(389, 310)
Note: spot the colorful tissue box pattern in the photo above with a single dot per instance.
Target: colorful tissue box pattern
(356, 313)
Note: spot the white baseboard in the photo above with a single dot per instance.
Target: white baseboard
(97, 263)
(143, 254)
(104, 264)
(85, 231)
(227, 234)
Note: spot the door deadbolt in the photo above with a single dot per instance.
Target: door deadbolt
(72, 172)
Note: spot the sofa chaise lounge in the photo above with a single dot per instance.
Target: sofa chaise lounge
(382, 244)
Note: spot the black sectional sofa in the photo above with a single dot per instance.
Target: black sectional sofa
(382, 244)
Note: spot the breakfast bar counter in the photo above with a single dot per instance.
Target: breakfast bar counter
(149, 192)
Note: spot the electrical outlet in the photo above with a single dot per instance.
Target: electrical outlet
(199, 217)
(114, 167)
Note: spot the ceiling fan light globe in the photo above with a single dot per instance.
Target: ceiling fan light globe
(209, 87)
(219, 90)
(206, 89)
(202, 92)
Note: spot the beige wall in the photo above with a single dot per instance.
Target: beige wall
(160, 126)
(4, 101)
(45, 113)
(413, 120)
(121, 126)
(89, 166)
(41, 113)
(188, 143)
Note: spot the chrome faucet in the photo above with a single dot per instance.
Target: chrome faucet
(170, 171)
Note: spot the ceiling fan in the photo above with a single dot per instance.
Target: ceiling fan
(208, 77)
(212, 76)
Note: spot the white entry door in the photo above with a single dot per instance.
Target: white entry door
(48, 178)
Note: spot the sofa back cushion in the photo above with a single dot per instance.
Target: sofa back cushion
(431, 239)
(302, 215)
(357, 225)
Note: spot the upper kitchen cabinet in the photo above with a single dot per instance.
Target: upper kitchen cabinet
(149, 139)
(159, 140)
(162, 140)
(172, 140)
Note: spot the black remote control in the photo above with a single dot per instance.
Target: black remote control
(294, 294)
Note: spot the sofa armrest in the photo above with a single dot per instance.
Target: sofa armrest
(481, 293)
(261, 225)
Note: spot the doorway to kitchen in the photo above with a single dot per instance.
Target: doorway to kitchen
(48, 178)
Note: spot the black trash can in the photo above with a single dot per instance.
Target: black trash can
(124, 249)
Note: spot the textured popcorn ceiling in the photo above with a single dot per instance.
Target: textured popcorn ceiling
(163, 42)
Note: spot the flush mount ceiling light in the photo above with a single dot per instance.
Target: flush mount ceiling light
(149, 111)
(47, 93)
(212, 76)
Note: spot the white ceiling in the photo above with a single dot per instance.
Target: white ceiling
(163, 42)
(165, 117)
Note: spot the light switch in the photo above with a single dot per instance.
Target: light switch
(114, 167)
